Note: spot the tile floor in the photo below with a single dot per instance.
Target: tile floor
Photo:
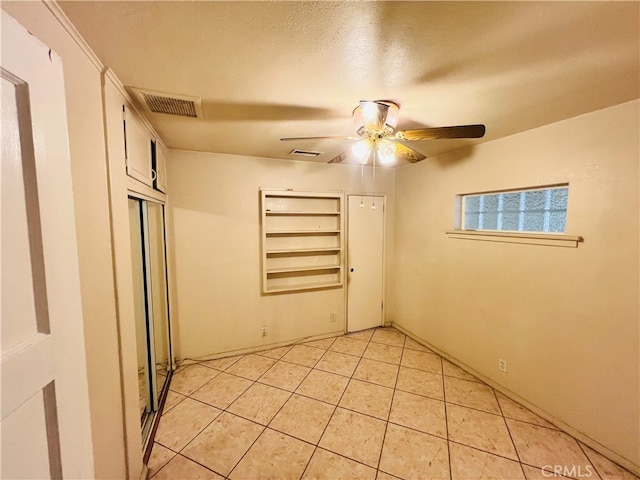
(371, 405)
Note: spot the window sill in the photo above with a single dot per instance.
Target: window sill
(546, 239)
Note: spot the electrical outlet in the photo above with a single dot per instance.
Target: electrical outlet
(502, 365)
(333, 317)
(264, 331)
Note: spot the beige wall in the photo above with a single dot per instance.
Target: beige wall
(215, 216)
(87, 147)
(566, 320)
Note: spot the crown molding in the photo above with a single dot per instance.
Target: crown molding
(62, 18)
(57, 12)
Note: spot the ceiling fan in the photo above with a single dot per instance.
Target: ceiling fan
(375, 123)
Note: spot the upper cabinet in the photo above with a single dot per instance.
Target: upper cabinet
(137, 148)
(132, 142)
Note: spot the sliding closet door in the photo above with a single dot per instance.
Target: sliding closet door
(140, 305)
(157, 267)
(146, 222)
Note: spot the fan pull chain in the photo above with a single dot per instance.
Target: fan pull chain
(373, 185)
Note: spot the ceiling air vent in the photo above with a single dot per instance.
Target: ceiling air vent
(169, 103)
(304, 153)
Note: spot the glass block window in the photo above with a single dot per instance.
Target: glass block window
(539, 210)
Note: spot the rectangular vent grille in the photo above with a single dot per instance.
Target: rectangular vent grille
(304, 153)
(171, 106)
(168, 103)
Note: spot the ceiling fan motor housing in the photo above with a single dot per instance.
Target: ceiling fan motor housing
(375, 118)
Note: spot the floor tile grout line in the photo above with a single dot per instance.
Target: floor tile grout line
(201, 430)
(204, 466)
(413, 429)
(316, 445)
(300, 364)
(186, 458)
(421, 370)
(419, 394)
(196, 436)
(588, 458)
(292, 393)
(173, 406)
(201, 362)
(553, 428)
(163, 465)
(335, 408)
(225, 409)
(475, 409)
(456, 442)
(324, 350)
(262, 352)
(247, 450)
(446, 419)
(369, 382)
(341, 397)
(515, 448)
(393, 397)
(273, 366)
(264, 427)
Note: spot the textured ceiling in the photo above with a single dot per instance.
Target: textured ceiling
(267, 70)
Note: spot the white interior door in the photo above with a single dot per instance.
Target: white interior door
(45, 425)
(365, 260)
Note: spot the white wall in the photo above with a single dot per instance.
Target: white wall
(215, 216)
(566, 320)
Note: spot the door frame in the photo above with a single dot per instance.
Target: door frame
(383, 312)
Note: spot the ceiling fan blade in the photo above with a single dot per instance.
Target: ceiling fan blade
(461, 131)
(340, 158)
(287, 139)
(408, 154)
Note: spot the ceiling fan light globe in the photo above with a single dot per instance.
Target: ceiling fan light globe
(374, 115)
(361, 151)
(386, 152)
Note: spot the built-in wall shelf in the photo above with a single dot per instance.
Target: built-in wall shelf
(302, 269)
(269, 212)
(300, 232)
(302, 241)
(302, 250)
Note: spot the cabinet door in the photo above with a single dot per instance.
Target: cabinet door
(160, 168)
(138, 148)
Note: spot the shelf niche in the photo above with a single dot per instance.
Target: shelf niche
(302, 241)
